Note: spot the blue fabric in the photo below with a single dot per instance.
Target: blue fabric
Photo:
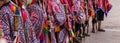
(17, 12)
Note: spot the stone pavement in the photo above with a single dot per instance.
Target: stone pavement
(103, 37)
(112, 26)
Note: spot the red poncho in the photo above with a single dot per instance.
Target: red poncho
(104, 5)
(69, 4)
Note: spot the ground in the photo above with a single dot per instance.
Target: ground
(112, 26)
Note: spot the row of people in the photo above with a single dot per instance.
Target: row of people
(49, 21)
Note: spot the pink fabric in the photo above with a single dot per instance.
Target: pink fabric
(100, 3)
(90, 4)
(55, 7)
(104, 5)
(49, 6)
(76, 6)
(69, 4)
(108, 6)
(64, 1)
(24, 15)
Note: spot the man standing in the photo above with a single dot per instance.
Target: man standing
(11, 21)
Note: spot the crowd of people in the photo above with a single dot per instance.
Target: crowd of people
(50, 21)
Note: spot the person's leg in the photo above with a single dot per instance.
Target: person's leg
(100, 18)
(76, 29)
(83, 27)
(93, 25)
(99, 27)
(79, 31)
(86, 28)
(99, 24)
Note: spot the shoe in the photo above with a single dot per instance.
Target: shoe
(76, 40)
(81, 36)
(101, 30)
(93, 31)
(86, 34)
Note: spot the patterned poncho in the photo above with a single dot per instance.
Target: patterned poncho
(36, 17)
(7, 12)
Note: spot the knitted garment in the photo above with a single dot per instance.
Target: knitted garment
(8, 23)
(36, 18)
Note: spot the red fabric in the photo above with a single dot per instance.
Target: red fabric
(34, 16)
(1, 26)
(55, 7)
(104, 5)
(100, 3)
(69, 23)
(76, 6)
(18, 39)
(49, 6)
(69, 4)
(90, 7)
(62, 1)
(108, 5)
(24, 15)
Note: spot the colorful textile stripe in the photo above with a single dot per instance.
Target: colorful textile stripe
(14, 9)
(24, 15)
(30, 2)
(45, 30)
(57, 29)
(72, 33)
(92, 13)
(45, 27)
(42, 38)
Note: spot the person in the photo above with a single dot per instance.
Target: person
(87, 17)
(12, 22)
(60, 19)
(36, 15)
(77, 18)
(99, 15)
(94, 17)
